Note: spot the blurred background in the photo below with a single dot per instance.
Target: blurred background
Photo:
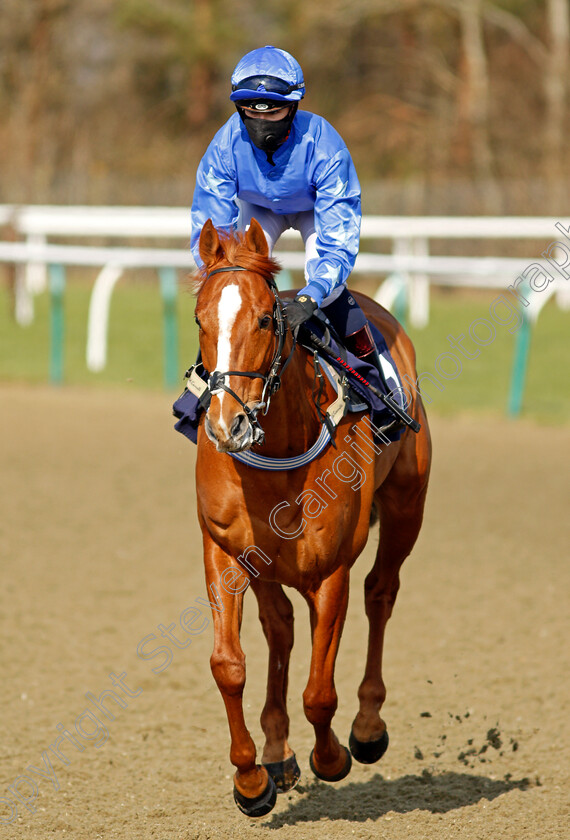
(448, 106)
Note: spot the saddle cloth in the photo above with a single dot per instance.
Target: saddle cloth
(187, 408)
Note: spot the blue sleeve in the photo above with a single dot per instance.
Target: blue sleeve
(337, 223)
(215, 193)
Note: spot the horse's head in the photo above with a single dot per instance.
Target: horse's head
(237, 311)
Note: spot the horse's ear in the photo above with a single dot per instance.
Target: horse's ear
(209, 244)
(255, 239)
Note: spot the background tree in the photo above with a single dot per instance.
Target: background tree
(456, 106)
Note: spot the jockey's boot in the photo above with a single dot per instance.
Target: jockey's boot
(350, 322)
(362, 345)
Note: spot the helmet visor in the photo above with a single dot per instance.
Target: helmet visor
(267, 87)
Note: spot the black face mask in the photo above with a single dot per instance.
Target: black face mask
(268, 135)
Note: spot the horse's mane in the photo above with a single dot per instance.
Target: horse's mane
(236, 252)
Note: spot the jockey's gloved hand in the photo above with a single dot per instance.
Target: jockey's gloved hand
(300, 310)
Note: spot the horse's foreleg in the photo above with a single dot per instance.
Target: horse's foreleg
(401, 510)
(254, 790)
(329, 760)
(276, 616)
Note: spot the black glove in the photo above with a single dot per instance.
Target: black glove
(300, 310)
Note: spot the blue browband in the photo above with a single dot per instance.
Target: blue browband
(227, 268)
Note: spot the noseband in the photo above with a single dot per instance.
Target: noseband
(271, 380)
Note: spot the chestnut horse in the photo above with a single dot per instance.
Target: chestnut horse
(302, 527)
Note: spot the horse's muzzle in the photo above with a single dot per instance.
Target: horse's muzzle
(238, 434)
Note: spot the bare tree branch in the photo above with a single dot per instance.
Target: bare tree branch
(556, 86)
(517, 30)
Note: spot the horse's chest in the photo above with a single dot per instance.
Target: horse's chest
(297, 542)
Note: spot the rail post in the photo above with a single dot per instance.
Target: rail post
(284, 280)
(57, 322)
(520, 363)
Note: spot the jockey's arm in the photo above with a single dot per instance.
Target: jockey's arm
(215, 196)
(337, 224)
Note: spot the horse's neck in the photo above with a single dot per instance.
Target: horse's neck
(292, 424)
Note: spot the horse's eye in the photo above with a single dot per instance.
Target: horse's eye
(198, 321)
(264, 322)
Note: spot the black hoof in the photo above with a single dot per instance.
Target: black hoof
(341, 775)
(285, 773)
(260, 805)
(367, 752)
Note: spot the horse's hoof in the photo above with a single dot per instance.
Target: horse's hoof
(285, 773)
(338, 776)
(260, 805)
(367, 752)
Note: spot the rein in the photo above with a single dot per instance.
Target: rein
(272, 379)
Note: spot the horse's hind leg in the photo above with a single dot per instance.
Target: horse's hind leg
(400, 502)
(276, 616)
(329, 760)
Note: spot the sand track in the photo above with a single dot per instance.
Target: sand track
(100, 546)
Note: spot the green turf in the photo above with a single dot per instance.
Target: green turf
(484, 382)
(136, 351)
(135, 355)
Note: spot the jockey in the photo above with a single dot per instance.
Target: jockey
(288, 169)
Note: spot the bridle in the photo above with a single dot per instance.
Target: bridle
(272, 379)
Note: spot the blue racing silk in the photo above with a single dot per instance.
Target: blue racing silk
(313, 171)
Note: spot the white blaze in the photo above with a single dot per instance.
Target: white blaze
(228, 308)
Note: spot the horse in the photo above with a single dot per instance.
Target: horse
(302, 527)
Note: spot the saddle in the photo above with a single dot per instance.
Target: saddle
(356, 376)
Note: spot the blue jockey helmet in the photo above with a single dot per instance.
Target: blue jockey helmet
(268, 73)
